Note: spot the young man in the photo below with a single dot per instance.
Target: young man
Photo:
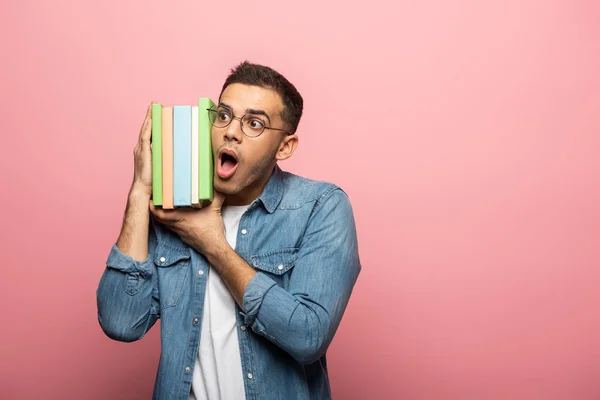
(251, 289)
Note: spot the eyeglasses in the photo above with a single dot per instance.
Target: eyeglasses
(252, 125)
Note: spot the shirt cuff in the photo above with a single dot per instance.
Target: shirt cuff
(122, 262)
(256, 290)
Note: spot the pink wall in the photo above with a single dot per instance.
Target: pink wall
(466, 135)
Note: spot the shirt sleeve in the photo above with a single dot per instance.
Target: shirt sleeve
(127, 295)
(303, 319)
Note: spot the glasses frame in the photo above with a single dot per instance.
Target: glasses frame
(209, 110)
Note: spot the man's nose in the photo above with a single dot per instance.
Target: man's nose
(233, 131)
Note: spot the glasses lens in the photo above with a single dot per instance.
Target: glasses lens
(252, 125)
(219, 117)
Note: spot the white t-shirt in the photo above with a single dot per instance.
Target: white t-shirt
(218, 367)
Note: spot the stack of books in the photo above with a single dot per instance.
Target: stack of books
(182, 160)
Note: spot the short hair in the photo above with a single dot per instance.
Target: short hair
(259, 75)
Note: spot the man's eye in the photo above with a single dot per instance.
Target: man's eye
(256, 124)
(223, 116)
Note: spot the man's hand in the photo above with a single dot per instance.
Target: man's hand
(133, 239)
(203, 229)
(142, 158)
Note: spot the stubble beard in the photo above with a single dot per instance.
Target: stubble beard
(256, 173)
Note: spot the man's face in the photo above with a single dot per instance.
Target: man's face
(243, 164)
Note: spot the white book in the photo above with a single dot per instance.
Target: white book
(195, 196)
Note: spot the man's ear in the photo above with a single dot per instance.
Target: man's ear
(287, 147)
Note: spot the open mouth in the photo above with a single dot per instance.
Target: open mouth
(227, 163)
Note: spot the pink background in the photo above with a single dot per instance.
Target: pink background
(466, 134)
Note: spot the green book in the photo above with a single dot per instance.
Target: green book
(157, 194)
(205, 154)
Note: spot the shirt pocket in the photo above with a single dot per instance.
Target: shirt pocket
(277, 264)
(173, 267)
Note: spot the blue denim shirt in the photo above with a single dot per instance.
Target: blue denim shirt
(300, 236)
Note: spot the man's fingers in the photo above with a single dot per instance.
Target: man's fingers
(146, 132)
(154, 210)
(218, 200)
(146, 118)
(159, 213)
(168, 216)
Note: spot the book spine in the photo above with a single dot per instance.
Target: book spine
(157, 155)
(195, 196)
(205, 153)
(182, 156)
(167, 157)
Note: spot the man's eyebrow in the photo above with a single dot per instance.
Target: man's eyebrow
(248, 110)
(258, 112)
(225, 106)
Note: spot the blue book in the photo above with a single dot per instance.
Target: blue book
(182, 156)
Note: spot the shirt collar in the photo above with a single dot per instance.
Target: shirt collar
(273, 192)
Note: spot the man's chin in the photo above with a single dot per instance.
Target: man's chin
(225, 187)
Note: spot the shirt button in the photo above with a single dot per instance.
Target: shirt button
(200, 272)
(280, 267)
(243, 327)
(195, 321)
(244, 231)
(249, 376)
(187, 369)
(162, 259)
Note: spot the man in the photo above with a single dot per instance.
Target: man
(254, 322)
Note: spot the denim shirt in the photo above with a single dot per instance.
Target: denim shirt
(300, 237)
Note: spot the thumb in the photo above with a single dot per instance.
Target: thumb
(218, 200)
